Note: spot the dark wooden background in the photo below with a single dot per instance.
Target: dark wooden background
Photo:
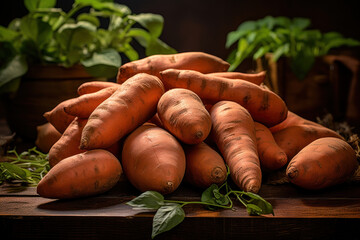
(192, 25)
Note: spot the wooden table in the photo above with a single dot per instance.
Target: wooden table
(328, 214)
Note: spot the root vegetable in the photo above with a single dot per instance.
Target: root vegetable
(84, 105)
(46, 137)
(81, 175)
(153, 159)
(256, 78)
(184, 115)
(94, 86)
(323, 163)
(234, 133)
(197, 61)
(58, 117)
(264, 106)
(271, 156)
(204, 166)
(132, 104)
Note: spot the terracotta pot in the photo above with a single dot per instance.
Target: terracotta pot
(41, 89)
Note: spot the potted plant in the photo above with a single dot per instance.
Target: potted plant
(295, 57)
(48, 52)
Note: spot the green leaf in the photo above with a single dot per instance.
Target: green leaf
(302, 62)
(38, 31)
(130, 52)
(7, 34)
(220, 198)
(152, 22)
(88, 18)
(260, 203)
(33, 5)
(234, 36)
(106, 6)
(13, 70)
(15, 171)
(166, 218)
(149, 200)
(261, 52)
(103, 64)
(247, 26)
(253, 209)
(72, 35)
(142, 36)
(280, 51)
(300, 23)
(208, 196)
(156, 46)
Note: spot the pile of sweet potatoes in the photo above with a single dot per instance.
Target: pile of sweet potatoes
(183, 117)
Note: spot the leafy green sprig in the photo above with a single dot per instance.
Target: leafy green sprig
(282, 36)
(28, 167)
(170, 213)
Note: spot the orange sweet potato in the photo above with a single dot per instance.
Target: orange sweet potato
(184, 115)
(81, 175)
(153, 159)
(323, 163)
(198, 61)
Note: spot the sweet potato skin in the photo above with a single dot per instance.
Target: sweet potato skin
(271, 156)
(198, 61)
(323, 163)
(133, 104)
(46, 137)
(85, 174)
(234, 133)
(94, 86)
(58, 117)
(256, 78)
(153, 159)
(294, 138)
(184, 115)
(264, 106)
(204, 166)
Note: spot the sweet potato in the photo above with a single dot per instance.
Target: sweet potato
(184, 115)
(58, 117)
(271, 156)
(132, 104)
(198, 61)
(46, 137)
(323, 163)
(294, 138)
(81, 175)
(153, 159)
(264, 106)
(69, 142)
(234, 133)
(256, 78)
(94, 86)
(204, 166)
(84, 105)
(292, 119)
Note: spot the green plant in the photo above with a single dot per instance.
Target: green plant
(92, 33)
(170, 213)
(283, 36)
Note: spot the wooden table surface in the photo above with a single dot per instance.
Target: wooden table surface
(328, 214)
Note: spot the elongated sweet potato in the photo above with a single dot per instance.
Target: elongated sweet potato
(323, 163)
(204, 166)
(69, 142)
(84, 105)
(58, 117)
(153, 159)
(271, 156)
(256, 78)
(198, 61)
(81, 175)
(264, 106)
(294, 138)
(234, 133)
(133, 103)
(94, 86)
(184, 115)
